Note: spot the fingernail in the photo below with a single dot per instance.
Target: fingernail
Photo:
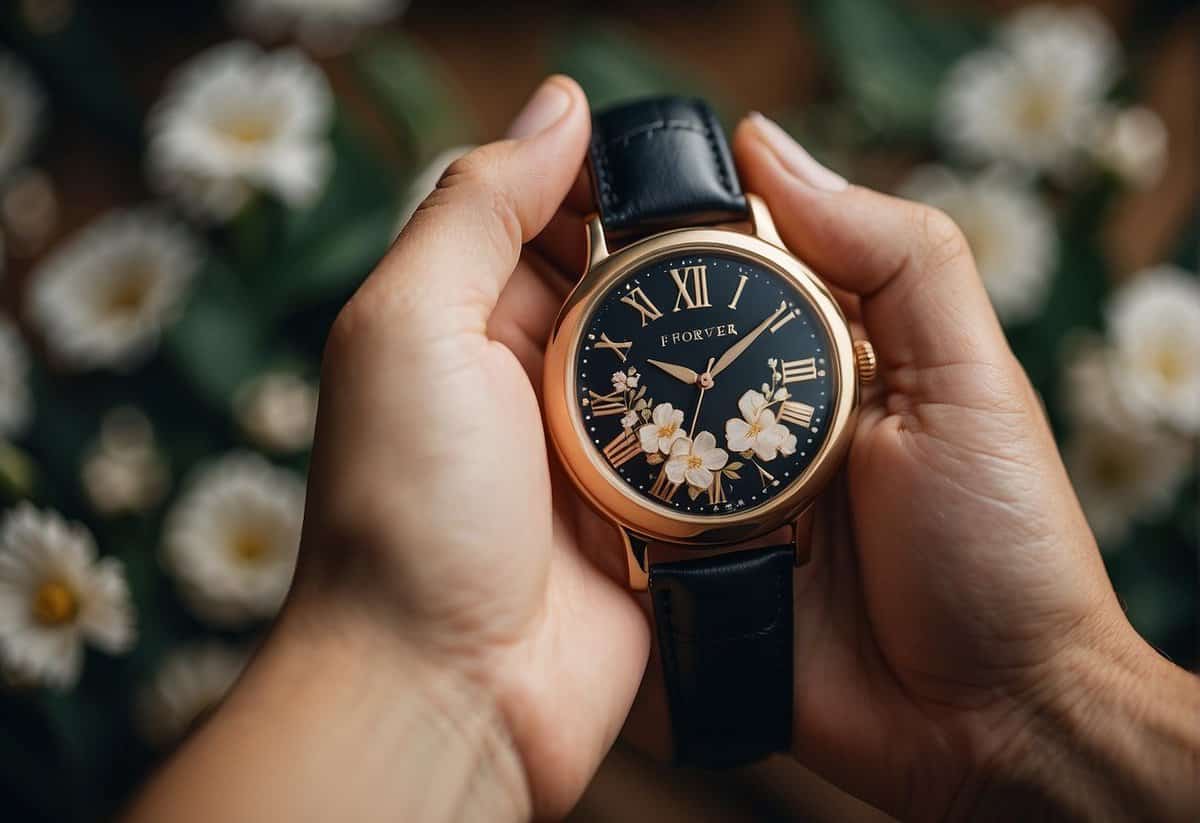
(543, 110)
(793, 156)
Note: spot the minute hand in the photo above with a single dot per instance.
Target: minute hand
(740, 346)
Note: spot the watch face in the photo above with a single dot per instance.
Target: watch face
(704, 382)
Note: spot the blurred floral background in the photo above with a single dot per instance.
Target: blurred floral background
(189, 191)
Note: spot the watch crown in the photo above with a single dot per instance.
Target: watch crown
(864, 358)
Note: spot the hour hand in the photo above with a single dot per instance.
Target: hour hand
(682, 373)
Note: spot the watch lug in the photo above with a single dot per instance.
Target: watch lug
(597, 245)
(802, 531)
(635, 555)
(761, 221)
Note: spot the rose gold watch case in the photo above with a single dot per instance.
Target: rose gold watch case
(640, 520)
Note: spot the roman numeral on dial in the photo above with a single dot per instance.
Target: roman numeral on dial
(737, 294)
(781, 322)
(692, 284)
(623, 448)
(663, 488)
(618, 348)
(793, 411)
(797, 371)
(645, 306)
(606, 404)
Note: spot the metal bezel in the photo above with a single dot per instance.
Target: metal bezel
(597, 481)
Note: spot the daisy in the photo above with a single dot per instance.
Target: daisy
(1154, 322)
(188, 686)
(124, 471)
(231, 539)
(1132, 144)
(758, 431)
(21, 106)
(1124, 474)
(55, 595)
(665, 428)
(326, 26)
(278, 411)
(16, 403)
(425, 182)
(1010, 231)
(235, 120)
(695, 460)
(1032, 99)
(103, 298)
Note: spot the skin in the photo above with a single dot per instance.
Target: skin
(459, 643)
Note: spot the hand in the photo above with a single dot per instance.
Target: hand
(681, 373)
(733, 352)
(957, 636)
(447, 650)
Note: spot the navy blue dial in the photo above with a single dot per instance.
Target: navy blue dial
(705, 382)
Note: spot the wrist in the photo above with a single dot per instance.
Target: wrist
(1107, 731)
(436, 733)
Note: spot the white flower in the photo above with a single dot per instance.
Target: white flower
(425, 182)
(278, 411)
(231, 539)
(326, 26)
(103, 298)
(21, 106)
(620, 381)
(1154, 322)
(1132, 143)
(665, 428)
(1123, 474)
(630, 419)
(236, 120)
(123, 471)
(757, 431)
(16, 403)
(1032, 99)
(695, 460)
(190, 683)
(632, 380)
(1092, 393)
(1009, 229)
(55, 595)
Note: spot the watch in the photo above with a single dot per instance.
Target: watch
(701, 385)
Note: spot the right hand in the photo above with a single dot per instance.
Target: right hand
(956, 605)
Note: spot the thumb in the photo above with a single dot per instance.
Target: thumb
(923, 302)
(461, 245)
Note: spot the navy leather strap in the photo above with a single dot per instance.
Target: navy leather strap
(662, 163)
(724, 627)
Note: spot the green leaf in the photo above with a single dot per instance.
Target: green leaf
(413, 89)
(891, 58)
(612, 64)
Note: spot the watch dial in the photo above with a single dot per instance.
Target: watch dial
(705, 383)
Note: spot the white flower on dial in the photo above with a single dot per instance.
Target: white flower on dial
(695, 460)
(190, 683)
(21, 105)
(103, 298)
(231, 539)
(15, 400)
(1154, 322)
(1010, 231)
(665, 428)
(55, 595)
(620, 381)
(236, 120)
(1120, 475)
(758, 431)
(1033, 99)
(630, 419)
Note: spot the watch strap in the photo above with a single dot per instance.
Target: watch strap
(661, 163)
(724, 627)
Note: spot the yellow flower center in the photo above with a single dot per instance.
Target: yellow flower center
(1169, 363)
(754, 430)
(246, 128)
(250, 546)
(129, 292)
(694, 462)
(1111, 469)
(667, 430)
(54, 604)
(1038, 110)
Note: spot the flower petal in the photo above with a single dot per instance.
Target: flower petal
(699, 477)
(750, 403)
(648, 436)
(704, 443)
(681, 447)
(675, 468)
(716, 459)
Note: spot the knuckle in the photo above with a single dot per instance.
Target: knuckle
(475, 185)
(940, 241)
